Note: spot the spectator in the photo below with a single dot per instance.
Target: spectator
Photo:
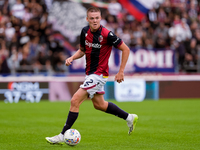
(148, 43)
(27, 16)
(2, 31)
(24, 63)
(197, 36)
(18, 9)
(33, 50)
(24, 37)
(161, 36)
(191, 54)
(126, 36)
(111, 23)
(193, 10)
(10, 35)
(161, 15)
(4, 69)
(14, 61)
(42, 59)
(179, 33)
(114, 8)
(153, 18)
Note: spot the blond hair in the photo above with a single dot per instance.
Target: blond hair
(93, 9)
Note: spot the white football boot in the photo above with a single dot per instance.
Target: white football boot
(132, 123)
(58, 139)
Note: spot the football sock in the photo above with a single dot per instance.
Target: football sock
(115, 110)
(72, 116)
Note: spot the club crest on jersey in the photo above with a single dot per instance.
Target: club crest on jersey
(100, 38)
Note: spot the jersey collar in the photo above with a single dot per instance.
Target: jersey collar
(99, 30)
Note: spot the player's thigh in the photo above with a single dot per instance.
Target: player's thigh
(79, 97)
(99, 102)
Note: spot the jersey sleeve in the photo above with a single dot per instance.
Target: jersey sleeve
(114, 40)
(82, 40)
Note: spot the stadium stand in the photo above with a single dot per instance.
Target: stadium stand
(28, 44)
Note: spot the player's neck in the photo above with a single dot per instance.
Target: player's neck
(94, 30)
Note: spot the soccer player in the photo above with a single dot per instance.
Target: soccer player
(96, 43)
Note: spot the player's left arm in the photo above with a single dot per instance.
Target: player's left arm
(119, 77)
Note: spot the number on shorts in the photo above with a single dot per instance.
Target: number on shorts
(87, 82)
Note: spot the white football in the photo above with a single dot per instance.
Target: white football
(72, 137)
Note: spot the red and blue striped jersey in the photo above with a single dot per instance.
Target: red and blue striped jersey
(97, 47)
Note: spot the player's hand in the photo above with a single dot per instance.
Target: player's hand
(119, 77)
(68, 61)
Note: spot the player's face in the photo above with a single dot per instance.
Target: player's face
(94, 19)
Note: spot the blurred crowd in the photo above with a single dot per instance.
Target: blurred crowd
(27, 44)
(172, 24)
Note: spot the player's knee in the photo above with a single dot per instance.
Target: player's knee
(74, 103)
(96, 106)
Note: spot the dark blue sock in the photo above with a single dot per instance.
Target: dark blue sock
(72, 116)
(115, 110)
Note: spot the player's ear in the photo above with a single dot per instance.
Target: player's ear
(87, 19)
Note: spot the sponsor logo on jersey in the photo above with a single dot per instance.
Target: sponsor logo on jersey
(94, 45)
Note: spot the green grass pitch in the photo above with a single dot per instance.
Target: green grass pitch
(162, 125)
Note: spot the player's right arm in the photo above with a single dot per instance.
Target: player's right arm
(79, 53)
